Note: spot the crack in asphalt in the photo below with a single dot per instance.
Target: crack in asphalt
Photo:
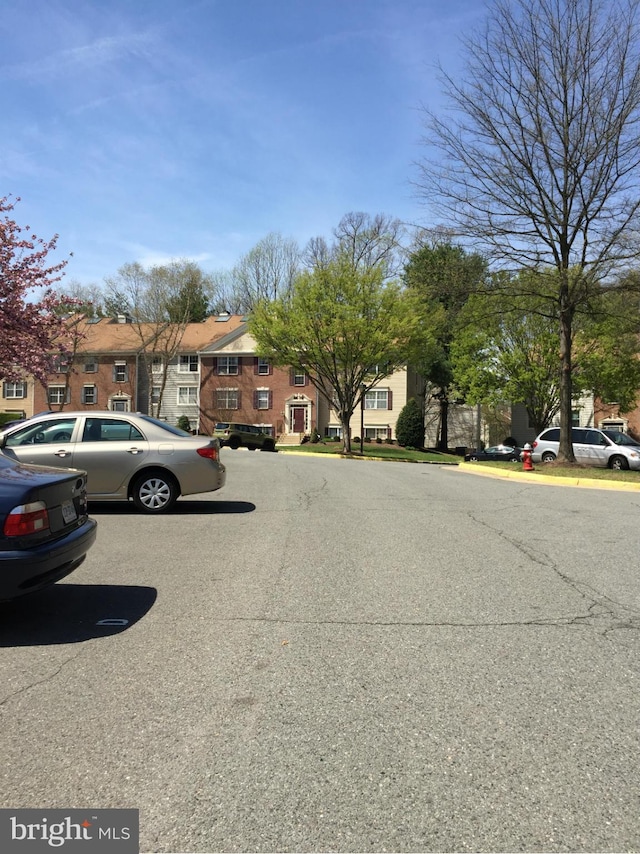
(37, 682)
(625, 616)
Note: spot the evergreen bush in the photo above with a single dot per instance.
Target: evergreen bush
(410, 425)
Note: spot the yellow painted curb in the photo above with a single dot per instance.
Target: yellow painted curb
(522, 476)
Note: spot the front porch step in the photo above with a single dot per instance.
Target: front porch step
(290, 439)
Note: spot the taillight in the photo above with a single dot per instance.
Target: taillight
(210, 452)
(27, 519)
(534, 443)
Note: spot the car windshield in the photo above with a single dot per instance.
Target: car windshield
(176, 431)
(619, 438)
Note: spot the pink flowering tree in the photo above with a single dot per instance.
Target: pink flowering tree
(32, 333)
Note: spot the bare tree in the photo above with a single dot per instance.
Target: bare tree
(365, 241)
(266, 272)
(160, 301)
(541, 159)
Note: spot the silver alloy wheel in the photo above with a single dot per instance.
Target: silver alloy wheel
(154, 494)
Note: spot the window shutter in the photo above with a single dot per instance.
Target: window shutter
(270, 400)
(67, 397)
(389, 399)
(239, 401)
(215, 365)
(126, 373)
(239, 365)
(255, 364)
(291, 377)
(255, 400)
(113, 373)
(4, 389)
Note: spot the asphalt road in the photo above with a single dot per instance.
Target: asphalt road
(335, 655)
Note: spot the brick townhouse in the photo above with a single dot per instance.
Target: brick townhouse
(214, 375)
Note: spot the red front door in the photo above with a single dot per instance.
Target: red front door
(297, 417)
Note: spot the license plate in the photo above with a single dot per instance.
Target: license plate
(68, 512)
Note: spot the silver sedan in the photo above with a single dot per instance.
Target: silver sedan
(127, 456)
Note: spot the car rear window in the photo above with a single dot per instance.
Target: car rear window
(175, 431)
(221, 426)
(552, 435)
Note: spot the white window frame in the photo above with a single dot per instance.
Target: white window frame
(157, 364)
(61, 396)
(92, 387)
(264, 367)
(265, 393)
(192, 399)
(18, 387)
(90, 367)
(227, 392)
(188, 364)
(377, 398)
(230, 366)
(299, 378)
(116, 369)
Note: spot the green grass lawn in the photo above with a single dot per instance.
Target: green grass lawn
(394, 452)
(373, 450)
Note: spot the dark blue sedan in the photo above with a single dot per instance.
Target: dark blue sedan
(497, 453)
(45, 532)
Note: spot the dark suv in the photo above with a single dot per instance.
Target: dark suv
(243, 436)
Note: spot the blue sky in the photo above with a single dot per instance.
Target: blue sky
(145, 130)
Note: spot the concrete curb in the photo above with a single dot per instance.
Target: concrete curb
(522, 476)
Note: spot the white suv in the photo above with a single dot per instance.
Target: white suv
(605, 448)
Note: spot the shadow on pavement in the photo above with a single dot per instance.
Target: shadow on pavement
(185, 506)
(72, 613)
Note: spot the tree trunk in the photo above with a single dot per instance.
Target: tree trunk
(346, 432)
(443, 438)
(565, 449)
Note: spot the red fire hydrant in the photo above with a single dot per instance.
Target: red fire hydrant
(527, 465)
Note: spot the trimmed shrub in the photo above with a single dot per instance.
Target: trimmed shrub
(410, 425)
(183, 423)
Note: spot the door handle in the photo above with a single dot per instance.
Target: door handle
(61, 453)
(133, 451)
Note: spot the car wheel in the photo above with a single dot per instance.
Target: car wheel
(154, 492)
(234, 443)
(269, 445)
(473, 459)
(251, 447)
(548, 457)
(619, 463)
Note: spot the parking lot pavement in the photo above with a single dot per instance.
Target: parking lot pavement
(335, 657)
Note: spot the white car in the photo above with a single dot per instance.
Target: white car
(591, 447)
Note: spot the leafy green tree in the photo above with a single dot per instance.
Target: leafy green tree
(440, 276)
(507, 349)
(410, 425)
(346, 328)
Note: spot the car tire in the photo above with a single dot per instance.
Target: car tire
(473, 459)
(251, 447)
(618, 463)
(269, 445)
(154, 492)
(234, 443)
(548, 457)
